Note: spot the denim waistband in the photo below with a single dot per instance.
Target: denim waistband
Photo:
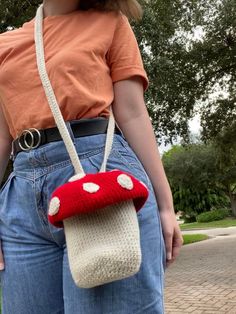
(55, 152)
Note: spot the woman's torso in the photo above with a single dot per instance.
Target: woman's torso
(75, 55)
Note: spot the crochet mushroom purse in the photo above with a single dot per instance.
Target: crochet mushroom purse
(97, 210)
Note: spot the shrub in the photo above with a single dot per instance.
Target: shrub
(188, 218)
(212, 215)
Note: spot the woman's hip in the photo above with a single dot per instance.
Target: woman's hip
(24, 203)
(25, 197)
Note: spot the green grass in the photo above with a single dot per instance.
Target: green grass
(191, 238)
(228, 222)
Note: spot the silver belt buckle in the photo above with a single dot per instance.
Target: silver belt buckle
(31, 144)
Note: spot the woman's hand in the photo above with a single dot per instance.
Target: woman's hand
(172, 235)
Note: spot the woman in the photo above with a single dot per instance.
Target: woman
(92, 59)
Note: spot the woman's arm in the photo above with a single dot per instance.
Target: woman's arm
(132, 117)
(5, 144)
(131, 114)
(5, 151)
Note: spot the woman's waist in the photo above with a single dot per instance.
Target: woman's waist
(88, 136)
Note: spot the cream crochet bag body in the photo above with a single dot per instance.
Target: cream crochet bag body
(98, 211)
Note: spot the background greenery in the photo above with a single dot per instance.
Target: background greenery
(224, 223)
(202, 177)
(191, 238)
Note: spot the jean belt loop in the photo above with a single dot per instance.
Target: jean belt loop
(70, 131)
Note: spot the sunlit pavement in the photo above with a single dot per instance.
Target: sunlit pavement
(202, 280)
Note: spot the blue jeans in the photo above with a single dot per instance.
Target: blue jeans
(37, 278)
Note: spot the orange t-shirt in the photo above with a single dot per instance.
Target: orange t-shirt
(85, 52)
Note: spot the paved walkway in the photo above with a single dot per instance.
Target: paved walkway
(213, 231)
(202, 280)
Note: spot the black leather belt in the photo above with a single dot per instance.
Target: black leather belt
(32, 138)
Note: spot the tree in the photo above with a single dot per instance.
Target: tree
(184, 71)
(194, 177)
(14, 13)
(215, 58)
(225, 146)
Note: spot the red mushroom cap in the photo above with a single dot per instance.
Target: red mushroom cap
(86, 193)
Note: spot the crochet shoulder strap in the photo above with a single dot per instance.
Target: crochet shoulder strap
(38, 37)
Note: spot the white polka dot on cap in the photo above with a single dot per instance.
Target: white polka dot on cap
(125, 181)
(91, 187)
(54, 206)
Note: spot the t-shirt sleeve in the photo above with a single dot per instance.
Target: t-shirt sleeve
(124, 57)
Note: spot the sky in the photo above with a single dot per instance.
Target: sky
(194, 127)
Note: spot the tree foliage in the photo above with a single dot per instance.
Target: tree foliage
(192, 176)
(225, 147)
(14, 13)
(215, 58)
(198, 178)
(186, 72)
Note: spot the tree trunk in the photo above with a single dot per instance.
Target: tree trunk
(233, 204)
